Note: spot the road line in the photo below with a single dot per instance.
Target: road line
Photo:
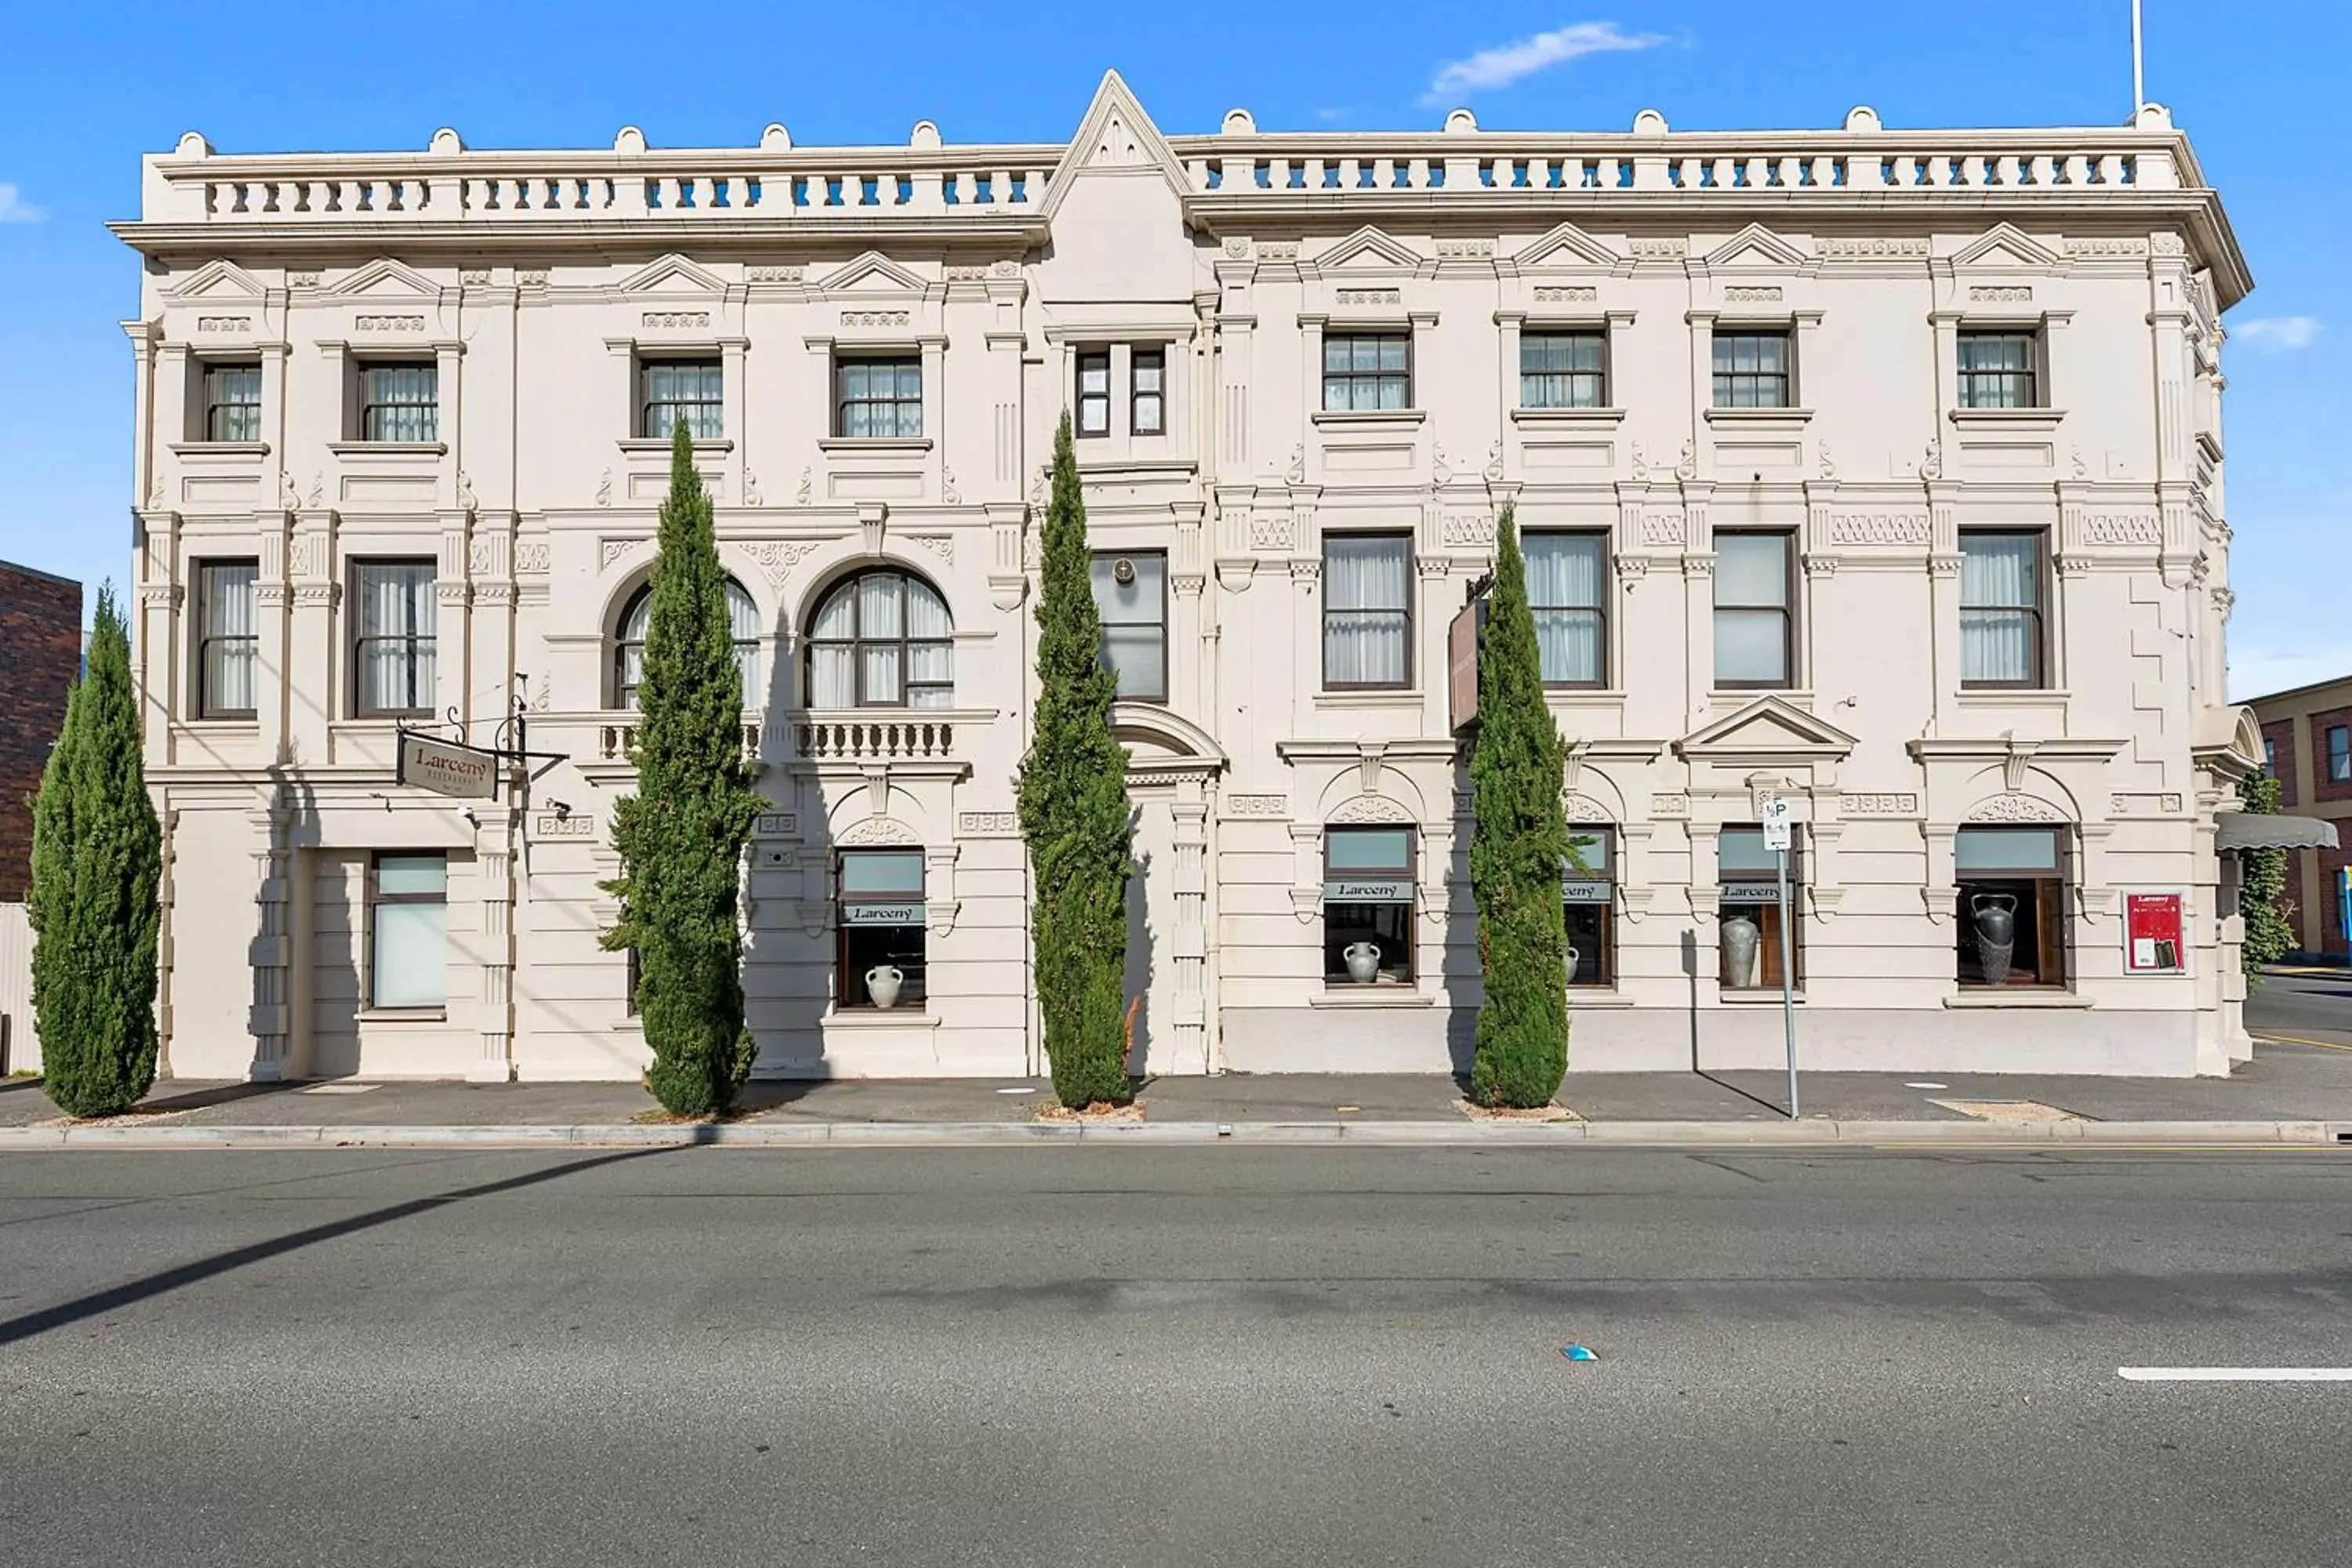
(2299, 1040)
(2235, 1374)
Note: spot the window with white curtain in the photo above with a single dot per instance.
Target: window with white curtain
(881, 640)
(1366, 610)
(1147, 406)
(233, 400)
(877, 399)
(1094, 393)
(409, 931)
(1564, 370)
(1751, 370)
(689, 390)
(226, 643)
(2001, 640)
(1131, 600)
(629, 647)
(391, 650)
(1364, 370)
(1755, 627)
(1999, 369)
(1567, 589)
(400, 402)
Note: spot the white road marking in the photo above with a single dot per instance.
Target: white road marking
(1926, 1086)
(1017, 1089)
(339, 1088)
(2235, 1374)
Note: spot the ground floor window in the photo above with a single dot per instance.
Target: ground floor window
(1749, 912)
(409, 931)
(879, 918)
(1368, 906)
(2011, 906)
(1590, 897)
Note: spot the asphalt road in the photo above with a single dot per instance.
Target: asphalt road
(2313, 1007)
(1054, 1358)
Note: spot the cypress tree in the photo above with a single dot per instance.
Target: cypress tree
(681, 836)
(1075, 813)
(2262, 888)
(97, 859)
(1518, 842)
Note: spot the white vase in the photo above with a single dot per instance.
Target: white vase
(1741, 944)
(1571, 966)
(1363, 959)
(883, 983)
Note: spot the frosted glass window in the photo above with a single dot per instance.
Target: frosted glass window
(1131, 599)
(1754, 630)
(408, 924)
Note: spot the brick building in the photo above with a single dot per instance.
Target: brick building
(40, 649)
(2307, 746)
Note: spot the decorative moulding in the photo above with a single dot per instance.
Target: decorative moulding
(1369, 247)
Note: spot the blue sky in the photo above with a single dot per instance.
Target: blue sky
(90, 87)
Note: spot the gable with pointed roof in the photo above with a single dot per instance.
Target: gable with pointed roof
(383, 278)
(870, 273)
(1770, 729)
(2005, 245)
(673, 274)
(1117, 137)
(1566, 244)
(1756, 245)
(1369, 248)
(217, 280)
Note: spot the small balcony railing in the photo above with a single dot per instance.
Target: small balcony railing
(864, 737)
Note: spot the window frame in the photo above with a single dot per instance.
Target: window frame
(208, 370)
(1604, 964)
(1967, 379)
(203, 709)
(2050, 915)
(357, 641)
(1376, 376)
(1599, 608)
(370, 405)
(1531, 336)
(1157, 355)
(648, 365)
(1767, 963)
(1786, 608)
(624, 692)
(899, 360)
(1786, 376)
(1160, 697)
(2340, 758)
(377, 898)
(849, 983)
(1081, 400)
(905, 643)
(1407, 872)
(1403, 538)
(2038, 678)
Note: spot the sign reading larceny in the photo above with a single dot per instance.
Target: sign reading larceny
(446, 768)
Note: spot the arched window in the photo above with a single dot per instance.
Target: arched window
(881, 640)
(629, 648)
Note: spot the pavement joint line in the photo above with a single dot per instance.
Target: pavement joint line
(2235, 1374)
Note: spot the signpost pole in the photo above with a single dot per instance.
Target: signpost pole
(1788, 982)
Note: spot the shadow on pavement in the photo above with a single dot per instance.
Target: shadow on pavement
(119, 1296)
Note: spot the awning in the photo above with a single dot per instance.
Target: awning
(2266, 830)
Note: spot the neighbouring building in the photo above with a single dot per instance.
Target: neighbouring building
(40, 650)
(1876, 470)
(2307, 747)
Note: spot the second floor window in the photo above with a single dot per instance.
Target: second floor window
(2000, 370)
(880, 399)
(1563, 370)
(233, 402)
(1565, 590)
(629, 647)
(1366, 370)
(2339, 754)
(400, 402)
(882, 640)
(1755, 624)
(2001, 636)
(1147, 407)
(690, 389)
(392, 654)
(1366, 610)
(1131, 597)
(226, 643)
(1094, 393)
(1751, 370)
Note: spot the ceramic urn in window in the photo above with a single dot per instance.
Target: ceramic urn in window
(1740, 946)
(1995, 922)
(1364, 962)
(883, 983)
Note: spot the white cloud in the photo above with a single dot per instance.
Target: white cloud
(2277, 331)
(2257, 671)
(15, 208)
(1507, 63)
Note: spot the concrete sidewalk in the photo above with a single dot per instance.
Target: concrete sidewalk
(2306, 1088)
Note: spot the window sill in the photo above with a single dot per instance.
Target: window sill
(1369, 418)
(840, 1017)
(883, 444)
(1345, 996)
(1597, 996)
(651, 445)
(1569, 418)
(222, 451)
(403, 1015)
(2011, 696)
(388, 449)
(1379, 696)
(2008, 418)
(2027, 997)
(1754, 996)
(1581, 694)
(1759, 418)
(224, 723)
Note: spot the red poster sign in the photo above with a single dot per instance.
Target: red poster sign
(2152, 934)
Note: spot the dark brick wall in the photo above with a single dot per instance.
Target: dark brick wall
(40, 654)
(2279, 734)
(2322, 786)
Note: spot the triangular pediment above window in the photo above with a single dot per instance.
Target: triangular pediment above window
(1370, 250)
(383, 278)
(2005, 245)
(1115, 137)
(1767, 729)
(872, 273)
(222, 280)
(1566, 245)
(673, 274)
(1756, 245)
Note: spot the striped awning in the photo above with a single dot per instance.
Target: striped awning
(2268, 830)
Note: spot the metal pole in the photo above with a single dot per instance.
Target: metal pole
(2139, 72)
(1788, 980)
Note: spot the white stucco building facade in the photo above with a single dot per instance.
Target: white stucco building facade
(1878, 470)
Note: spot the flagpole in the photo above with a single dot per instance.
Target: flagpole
(2139, 72)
